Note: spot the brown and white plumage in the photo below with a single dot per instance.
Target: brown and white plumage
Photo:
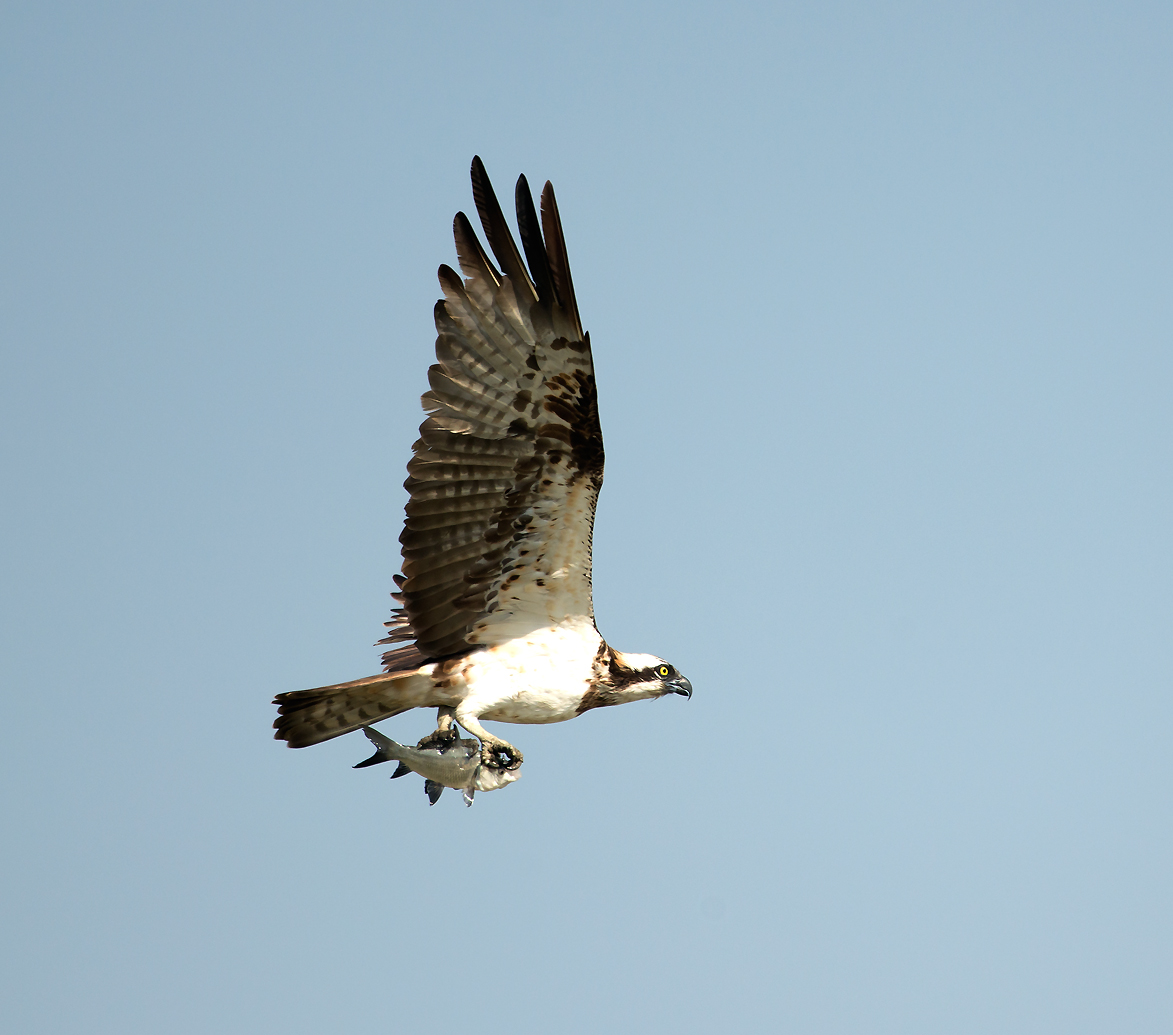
(495, 595)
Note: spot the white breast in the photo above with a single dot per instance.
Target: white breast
(538, 677)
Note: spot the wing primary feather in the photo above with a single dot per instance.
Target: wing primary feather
(558, 260)
(472, 256)
(531, 241)
(458, 313)
(496, 229)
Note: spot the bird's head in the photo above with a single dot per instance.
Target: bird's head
(638, 676)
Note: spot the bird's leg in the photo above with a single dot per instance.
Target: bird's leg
(495, 752)
(445, 733)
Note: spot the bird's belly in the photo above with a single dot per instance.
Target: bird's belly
(535, 705)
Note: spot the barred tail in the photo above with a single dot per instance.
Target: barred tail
(308, 717)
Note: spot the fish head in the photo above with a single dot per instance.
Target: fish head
(487, 779)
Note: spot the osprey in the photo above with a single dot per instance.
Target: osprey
(495, 593)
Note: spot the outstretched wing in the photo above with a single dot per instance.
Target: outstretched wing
(509, 462)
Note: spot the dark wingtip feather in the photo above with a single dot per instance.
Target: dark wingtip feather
(531, 241)
(497, 230)
(559, 262)
(468, 248)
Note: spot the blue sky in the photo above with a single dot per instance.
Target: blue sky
(879, 297)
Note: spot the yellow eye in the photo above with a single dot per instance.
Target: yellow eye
(663, 671)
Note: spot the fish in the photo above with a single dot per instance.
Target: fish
(456, 764)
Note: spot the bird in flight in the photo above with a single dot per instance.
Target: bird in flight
(495, 597)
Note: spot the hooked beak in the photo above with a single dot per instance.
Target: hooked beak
(680, 685)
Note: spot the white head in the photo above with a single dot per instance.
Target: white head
(635, 677)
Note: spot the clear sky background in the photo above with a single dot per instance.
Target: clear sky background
(880, 300)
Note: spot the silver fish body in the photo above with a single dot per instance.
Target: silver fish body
(456, 764)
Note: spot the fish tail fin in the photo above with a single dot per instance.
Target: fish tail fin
(306, 717)
(386, 750)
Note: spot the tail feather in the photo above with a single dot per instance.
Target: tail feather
(306, 717)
